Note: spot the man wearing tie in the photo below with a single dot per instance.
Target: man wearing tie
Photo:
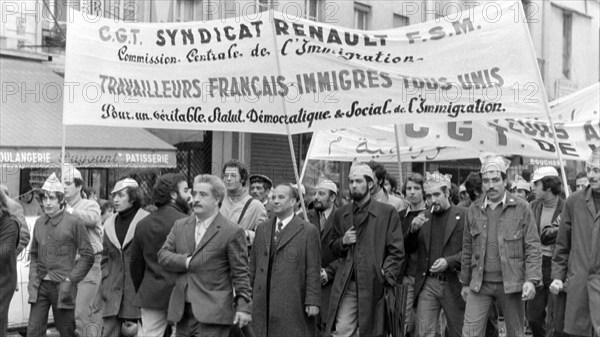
(284, 269)
(322, 217)
(209, 254)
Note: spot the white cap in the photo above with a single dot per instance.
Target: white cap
(522, 185)
(435, 180)
(69, 173)
(328, 185)
(493, 162)
(121, 184)
(361, 170)
(52, 184)
(462, 188)
(542, 172)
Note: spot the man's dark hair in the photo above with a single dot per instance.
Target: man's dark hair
(266, 184)
(454, 194)
(105, 205)
(164, 186)
(379, 171)
(59, 195)
(393, 183)
(241, 167)
(554, 184)
(473, 185)
(526, 174)
(136, 196)
(580, 175)
(415, 178)
(78, 182)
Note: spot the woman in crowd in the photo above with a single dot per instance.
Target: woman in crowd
(9, 240)
(120, 315)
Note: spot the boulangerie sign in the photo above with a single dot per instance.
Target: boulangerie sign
(270, 71)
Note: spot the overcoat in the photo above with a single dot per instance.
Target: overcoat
(117, 287)
(9, 240)
(378, 256)
(294, 279)
(576, 262)
(152, 282)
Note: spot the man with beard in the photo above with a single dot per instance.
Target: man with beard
(367, 235)
(260, 186)
(153, 284)
(576, 259)
(238, 206)
(87, 317)
(321, 217)
(438, 244)
(501, 256)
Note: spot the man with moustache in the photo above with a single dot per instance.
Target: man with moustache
(367, 236)
(87, 310)
(238, 206)
(438, 244)
(576, 259)
(321, 217)
(208, 254)
(54, 272)
(152, 283)
(501, 256)
(260, 186)
(284, 269)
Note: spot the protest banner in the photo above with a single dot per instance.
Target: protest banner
(478, 64)
(576, 119)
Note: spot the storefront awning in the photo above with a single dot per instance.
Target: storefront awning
(31, 126)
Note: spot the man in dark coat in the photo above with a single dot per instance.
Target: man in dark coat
(152, 283)
(368, 236)
(284, 269)
(209, 254)
(322, 217)
(576, 259)
(438, 243)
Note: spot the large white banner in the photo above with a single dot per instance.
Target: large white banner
(267, 71)
(575, 117)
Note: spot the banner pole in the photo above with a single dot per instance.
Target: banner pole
(397, 133)
(560, 158)
(63, 145)
(305, 166)
(287, 129)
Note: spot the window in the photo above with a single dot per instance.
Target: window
(567, 43)
(129, 10)
(361, 16)
(185, 10)
(400, 20)
(312, 10)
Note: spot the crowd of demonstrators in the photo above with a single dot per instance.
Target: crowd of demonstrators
(116, 270)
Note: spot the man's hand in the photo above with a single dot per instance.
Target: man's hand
(65, 288)
(312, 310)
(242, 319)
(324, 278)
(418, 222)
(556, 286)
(439, 266)
(528, 291)
(349, 237)
(464, 293)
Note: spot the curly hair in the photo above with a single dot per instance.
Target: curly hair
(164, 186)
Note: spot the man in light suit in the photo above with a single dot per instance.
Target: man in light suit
(209, 255)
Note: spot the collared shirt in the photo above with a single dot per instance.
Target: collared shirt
(285, 221)
(493, 205)
(202, 226)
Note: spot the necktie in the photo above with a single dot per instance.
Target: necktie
(279, 227)
(322, 221)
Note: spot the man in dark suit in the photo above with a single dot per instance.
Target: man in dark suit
(322, 217)
(437, 239)
(209, 255)
(153, 284)
(284, 268)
